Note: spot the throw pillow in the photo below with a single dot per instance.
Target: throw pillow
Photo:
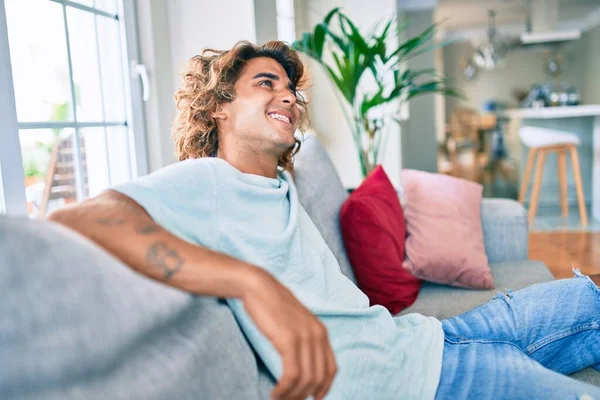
(374, 232)
(444, 235)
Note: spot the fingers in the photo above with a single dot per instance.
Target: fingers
(308, 366)
(331, 371)
(291, 372)
(321, 361)
(311, 360)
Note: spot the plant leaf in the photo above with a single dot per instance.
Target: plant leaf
(370, 102)
(318, 39)
(429, 48)
(343, 81)
(355, 36)
(381, 46)
(436, 86)
(337, 40)
(330, 15)
(413, 43)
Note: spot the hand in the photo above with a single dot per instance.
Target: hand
(300, 338)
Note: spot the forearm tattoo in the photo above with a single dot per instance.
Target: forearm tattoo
(111, 221)
(166, 259)
(146, 228)
(142, 228)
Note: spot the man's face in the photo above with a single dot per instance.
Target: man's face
(264, 114)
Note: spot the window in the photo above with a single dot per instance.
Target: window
(77, 117)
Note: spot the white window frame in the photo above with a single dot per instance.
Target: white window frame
(12, 184)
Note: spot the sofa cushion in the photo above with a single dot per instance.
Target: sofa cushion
(445, 238)
(77, 323)
(374, 233)
(442, 301)
(321, 193)
(587, 375)
(505, 230)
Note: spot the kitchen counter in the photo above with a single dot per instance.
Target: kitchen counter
(589, 110)
(583, 121)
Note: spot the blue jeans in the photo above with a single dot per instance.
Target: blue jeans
(520, 344)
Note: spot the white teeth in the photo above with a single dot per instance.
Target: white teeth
(280, 117)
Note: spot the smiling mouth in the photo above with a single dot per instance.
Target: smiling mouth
(280, 117)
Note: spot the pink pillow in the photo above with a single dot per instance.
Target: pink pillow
(444, 236)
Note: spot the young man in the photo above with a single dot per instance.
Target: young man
(226, 222)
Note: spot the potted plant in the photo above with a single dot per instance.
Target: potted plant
(32, 172)
(352, 55)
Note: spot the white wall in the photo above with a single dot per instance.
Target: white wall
(326, 115)
(171, 32)
(591, 43)
(197, 24)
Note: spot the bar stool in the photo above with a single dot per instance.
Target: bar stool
(541, 141)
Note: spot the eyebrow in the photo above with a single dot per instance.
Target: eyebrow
(274, 77)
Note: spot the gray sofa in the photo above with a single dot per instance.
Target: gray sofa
(79, 324)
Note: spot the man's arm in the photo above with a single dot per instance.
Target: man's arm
(121, 226)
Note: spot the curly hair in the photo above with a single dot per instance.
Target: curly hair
(209, 80)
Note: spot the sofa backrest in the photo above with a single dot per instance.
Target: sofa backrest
(77, 320)
(321, 193)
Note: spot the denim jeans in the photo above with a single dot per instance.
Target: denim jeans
(520, 344)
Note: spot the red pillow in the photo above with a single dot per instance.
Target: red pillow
(374, 232)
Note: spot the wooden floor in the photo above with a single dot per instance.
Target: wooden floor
(560, 250)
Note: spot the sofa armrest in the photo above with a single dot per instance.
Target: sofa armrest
(505, 230)
(77, 320)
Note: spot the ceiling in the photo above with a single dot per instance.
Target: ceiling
(461, 14)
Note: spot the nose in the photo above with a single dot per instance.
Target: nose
(288, 97)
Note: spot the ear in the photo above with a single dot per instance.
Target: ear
(219, 113)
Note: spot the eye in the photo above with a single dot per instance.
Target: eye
(267, 81)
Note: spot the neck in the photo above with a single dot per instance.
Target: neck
(249, 160)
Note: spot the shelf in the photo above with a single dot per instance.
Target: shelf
(590, 110)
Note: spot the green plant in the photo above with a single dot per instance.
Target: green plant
(31, 169)
(352, 56)
(60, 112)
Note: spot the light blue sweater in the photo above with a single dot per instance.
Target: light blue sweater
(258, 219)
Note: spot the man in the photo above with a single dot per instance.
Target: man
(226, 222)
